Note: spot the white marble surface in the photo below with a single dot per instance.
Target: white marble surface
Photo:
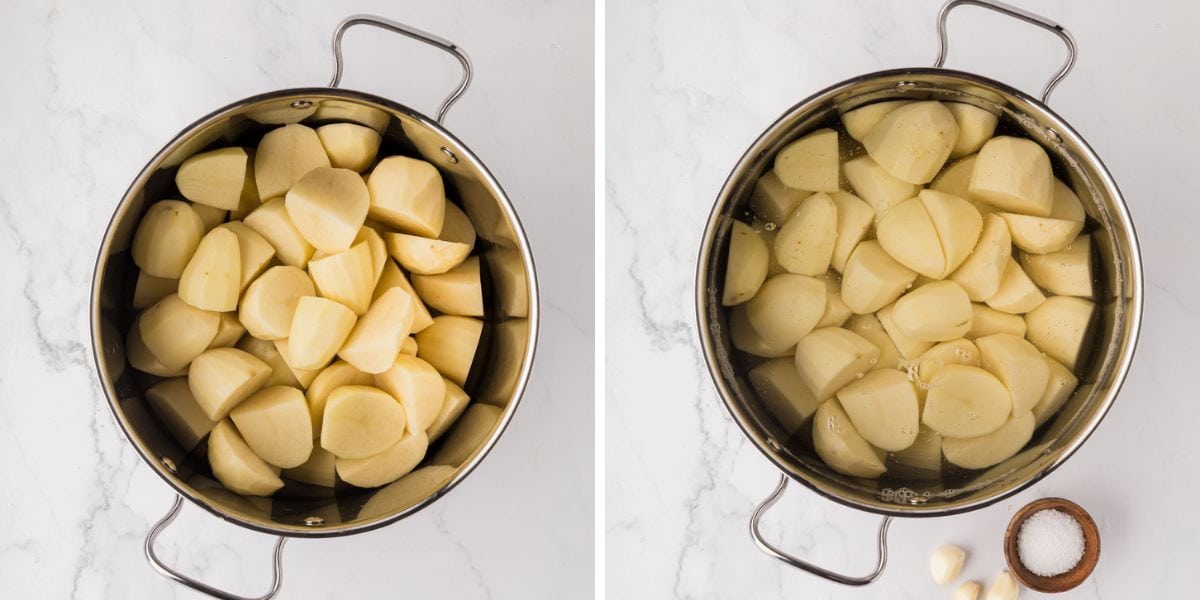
(91, 91)
(690, 85)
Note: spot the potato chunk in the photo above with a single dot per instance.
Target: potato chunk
(407, 492)
(269, 303)
(827, 359)
(457, 291)
(349, 146)
(211, 217)
(986, 320)
(965, 402)
(957, 223)
(468, 435)
(344, 110)
(449, 345)
(908, 347)
(1017, 294)
(150, 289)
(285, 155)
(1058, 327)
(836, 311)
(142, 359)
(271, 221)
(166, 238)
(281, 373)
(212, 279)
(1042, 235)
(376, 339)
(877, 186)
(975, 127)
(840, 445)
(990, 449)
(805, 243)
(746, 339)
(377, 248)
(347, 277)
(229, 331)
(873, 279)
(956, 352)
(981, 272)
(778, 385)
(328, 207)
(221, 378)
(787, 308)
(935, 312)
(908, 235)
(319, 328)
(176, 332)
(925, 453)
(392, 277)
(319, 469)
(956, 180)
(425, 255)
(453, 404)
(254, 252)
(772, 201)
(869, 327)
(810, 163)
(275, 424)
(1059, 388)
(174, 404)
(303, 377)
(860, 121)
(1067, 272)
(883, 408)
(1018, 365)
(913, 141)
(236, 466)
(457, 226)
(1014, 175)
(336, 375)
(361, 421)
(854, 220)
(215, 178)
(387, 466)
(745, 269)
(407, 194)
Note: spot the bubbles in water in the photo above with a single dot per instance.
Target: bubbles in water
(769, 226)
(972, 415)
(832, 425)
(874, 361)
(962, 353)
(858, 375)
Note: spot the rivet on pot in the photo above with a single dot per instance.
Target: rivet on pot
(774, 444)
(1053, 136)
(169, 464)
(302, 104)
(905, 84)
(313, 521)
(449, 154)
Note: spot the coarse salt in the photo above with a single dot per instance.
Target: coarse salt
(1050, 542)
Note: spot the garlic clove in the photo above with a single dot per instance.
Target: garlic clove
(969, 590)
(1003, 588)
(946, 563)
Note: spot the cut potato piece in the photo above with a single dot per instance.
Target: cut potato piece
(319, 328)
(1018, 365)
(854, 220)
(336, 375)
(378, 248)
(908, 347)
(212, 279)
(215, 178)
(328, 206)
(457, 291)
(810, 163)
(981, 272)
(376, 339)
(840, 445)
(387, 466)
(746, 339)
(935, 312)
(787, 308)
(271, 221)
(869, 327)
(392, 277)
(349, 146)
(276, 425)
(304, 377)
(424, 255)
(768, 232)
(449, 345)
(467, 435)
(236, 466)
(174, 404)
(772, 201)
(992, 448)
(176, 332)
(883, 408)
(877, 186)
(254, 251)
(804, 245)
(1067, 272)
(409, 346)
(957, 223)
(907, 233)
(221, 378)
(347, 277)
(1013, 174)
(925, 453)
(975, 127)
(360, 421)
(827, 359)
(142, 359)
(229, 331)
(457, 226)
(166, 238)
(1017, 294)
(150, 289)
(873, 279)
(986, 320)
(407, 492)
(836, 311)
(407, 194)
(344, 110)
(319, 469)
(745, 269)
(957, 352)
(1058, 327)
(860, 121)
(1042, 235)
(913, 141)
(1059, 388)
(269, 303)
(786, 397)
(965, 401)
(281, 373)
(284, 155)
(453, 404)
(211, 217)
(956, 179)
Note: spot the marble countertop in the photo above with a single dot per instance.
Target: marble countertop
(690, 85)
(92, 91)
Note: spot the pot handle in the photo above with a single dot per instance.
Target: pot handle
(835, 577)
(276, 576)
(407, 31)
(1016, 13)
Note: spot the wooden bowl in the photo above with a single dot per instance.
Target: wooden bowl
(1065, 581)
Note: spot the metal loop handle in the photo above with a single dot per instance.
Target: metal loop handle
(410, 32)
(277, 575)
(1016, 13)
(771, 550)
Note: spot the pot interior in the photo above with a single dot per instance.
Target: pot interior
(502, 360)
(1109, 347)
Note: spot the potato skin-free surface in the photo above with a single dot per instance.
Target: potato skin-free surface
(361, 421)
(275, 424)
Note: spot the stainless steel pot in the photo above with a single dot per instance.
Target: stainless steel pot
(1119, 297)
(502, 363)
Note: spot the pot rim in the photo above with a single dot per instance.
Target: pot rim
(778, 127)
(464, 154)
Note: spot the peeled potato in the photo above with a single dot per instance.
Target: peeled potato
(1017, 294)
(285, 155)
(457, 226)
(908, 235)
(269, 303)
(174, 404)
(768, 236)
(377, 247)
(361, 421)
(913, 141)
(236, 466)
(254, 251)
(804, 245)
(836, 311)
(877, 186)
(457, 291)
(392, 277)
(854, 220)
(1018, 365)
(1058, 326)
(453, 404)
(211, 217)
(778, 385)
(336, 375)
(986, 320)
(349, 146)
(468, 435)
(909, 348)
(956, 179)
(860, 121)
(424, 255)
(810, 163)
(786, 308)
(965, 401)
(347, 277)
(407, 492)
(1067, 272)
(746, 339)
(281, 373)
(229, 331)
(328, 207)
(869, 327)
(773, 201)
(319, 327)
(992, 448)
(975, 127)
(409, 346)
(166, 238)
(935, 312)
(449, 345)
(275, 424)
(873, 279)
(925, 453)
(1013, 174)
(827, 359)
(212, 279)
(142, 359)
(215, 178)
(1059, 388)
(956, 352)
(176, 332)
(319, 469)
(981, 272)
(1041, 235)
(150, 289)
(957, 223)
(376, 339)
(271, 221)
(407, 194)
(387, 466)
(746, 267)
(221, 378)
(304, 377)
(883, 408)
(840, 445)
